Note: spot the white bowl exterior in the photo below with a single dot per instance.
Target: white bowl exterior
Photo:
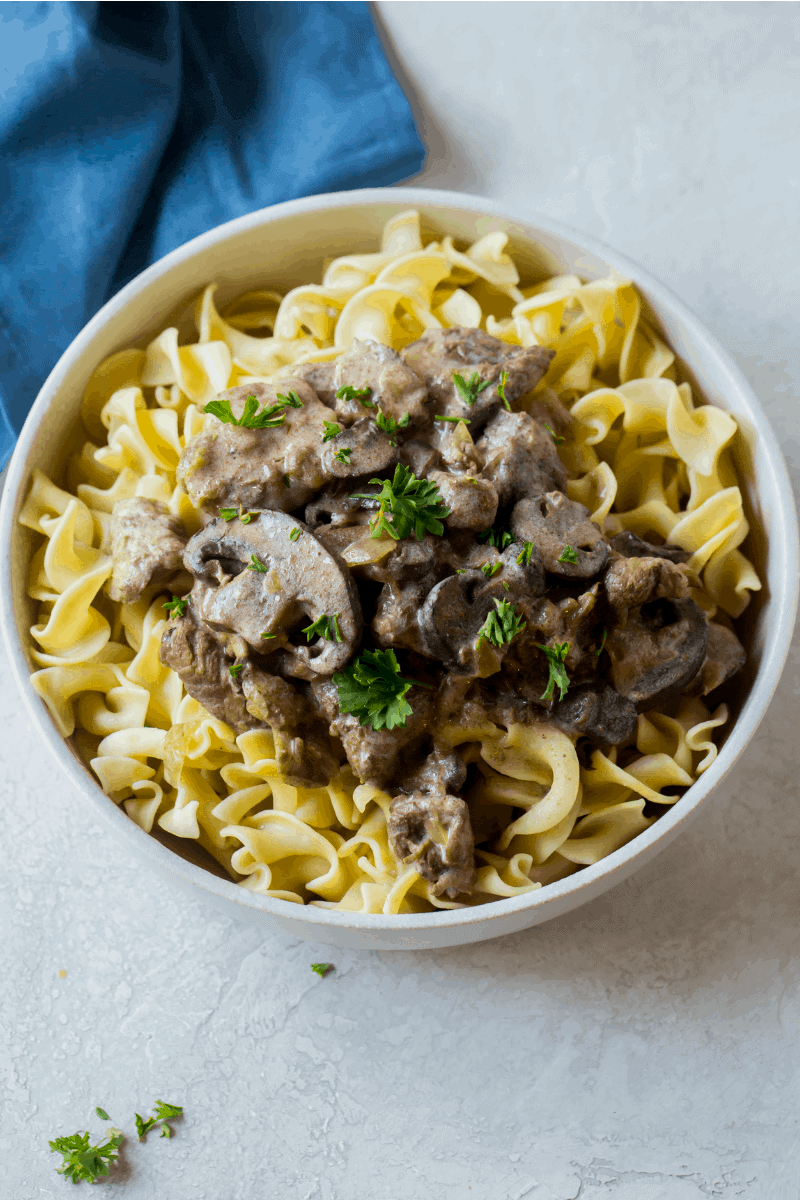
(283, 246)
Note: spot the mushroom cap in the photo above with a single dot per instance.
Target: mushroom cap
(302, 581)
(552, 522)
(661, 649)
(630, 546)
(452, 616)
(371, 451)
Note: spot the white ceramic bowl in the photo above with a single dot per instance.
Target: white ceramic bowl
(285, 246)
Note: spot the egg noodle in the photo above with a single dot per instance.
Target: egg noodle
(641, 455)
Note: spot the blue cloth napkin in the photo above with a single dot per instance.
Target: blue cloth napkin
(127, 129)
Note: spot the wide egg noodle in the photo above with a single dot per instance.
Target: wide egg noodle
(644, 458)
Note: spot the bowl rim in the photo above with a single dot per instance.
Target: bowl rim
(591, 879)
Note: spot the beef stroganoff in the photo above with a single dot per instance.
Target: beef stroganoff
(408, 590)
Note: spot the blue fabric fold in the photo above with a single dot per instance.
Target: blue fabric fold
(127, 129)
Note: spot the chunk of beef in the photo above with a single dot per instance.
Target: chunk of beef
(433, 832)
(318, 376)
(659, 650)
(630, 546)
(725, 656)
(472, 501)
(595, 711)
(225, 465)
(394, 388)
(520, 458)
(631, 582)
(363, 449)
(440, 353)
(189, 647)
(420, 457)
(147, 544)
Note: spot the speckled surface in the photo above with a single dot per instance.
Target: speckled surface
(645, 1048)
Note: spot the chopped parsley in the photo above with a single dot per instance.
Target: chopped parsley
(269, 418)
(556, 438)
(600, 648)
(343, 455)
(176, 607)
(102, 1114)
(236, 670)
(362, 395)
(469, 389)
(268, 635)
(414, 504)
(524, 556)
(287, 479)
(558, 672)
(568, 555)
(454, 419)
(501, 626)
(499, 538)
(331, 430)
(164, 1112)
(490, 569)
(294, 535)
(501, 389)
(390, 426)
(373, 690)
(256, 564)
(230, 514)
(326, 627)
(323, 969)
(82, 1161)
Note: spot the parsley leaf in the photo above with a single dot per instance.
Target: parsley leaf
(330, 431)
(251, 418)
(470, 389)
(323, 969)
(599, 650)
(292, 400)
(501, 389)
(414, 504)
(373, 690)
(82, 1161)
(490, 569)
(556, 438)
(454, 419)
(502, 626)
(390, 426)
(166, 1130)
(236, 670)
(499, 538)
(102, 1114)
(268, 635)
(168, 1111)
(362, 395)
(524, 556)
(294, 535)
(287, 479)
(327, 627)
(343, 455)
(230, 514)
(558, 672)
(256, 564)
(144, 1126)
(163, 1112)
(568, 555)
(176, 607)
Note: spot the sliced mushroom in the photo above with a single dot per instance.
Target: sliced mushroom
(363, 449)
(147, 544)
(441, 353)
(724, 657)
(631, 582)
(472, 501)
(630, 546)
(659, 651)
(595, 711)
(433, 832)
(272, 576)
(451, 618)
(556, 526)
(394, 388)
(226, 466)
(520, 458)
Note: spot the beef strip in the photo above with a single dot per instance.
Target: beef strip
(196, 656)
(147, 544)
(520, 458)
(433, 831)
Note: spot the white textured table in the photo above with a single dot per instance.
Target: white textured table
(643, 1049)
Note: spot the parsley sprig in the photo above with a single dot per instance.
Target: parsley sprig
(330, 431)
(490, 569)
(176, 607)
(373, 690)
(524, 556)
(269, 418)
(324, 626)
(323, 969)
(558, 677)
(499, 538)
(164, 1112)
(390, 426)
(414, 504)
(81, 1161)
(501, 626)
(470, 389)
(343, 455)
(236, 670)
(568, 555)
(362, 395)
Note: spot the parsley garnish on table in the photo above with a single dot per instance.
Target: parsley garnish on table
(164, 1112)
(414, 504)
(373, 690)
(558, 678)
(82, 1161)
(270, 416)
(324, 626)
(502, 626)
(323, 969)
(469, 389)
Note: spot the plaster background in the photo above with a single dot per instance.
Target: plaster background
(645, 1048)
